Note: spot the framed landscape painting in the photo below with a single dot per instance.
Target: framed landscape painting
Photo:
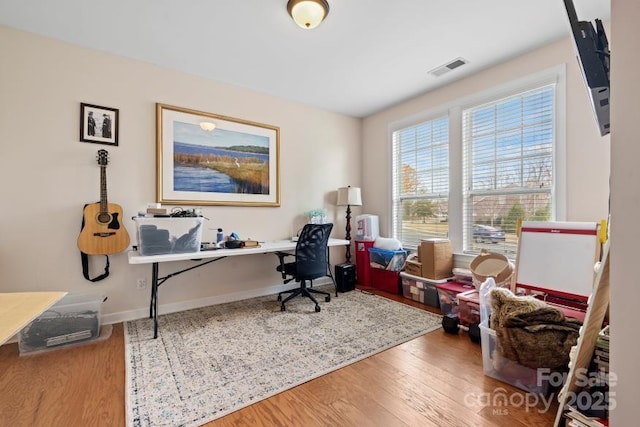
(209, 159)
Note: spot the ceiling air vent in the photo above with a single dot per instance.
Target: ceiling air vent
(448, 67)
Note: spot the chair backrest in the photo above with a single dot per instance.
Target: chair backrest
(311, 251)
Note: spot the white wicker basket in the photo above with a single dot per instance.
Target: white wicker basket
(490, 264)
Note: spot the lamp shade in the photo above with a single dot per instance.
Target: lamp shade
(349, 196)
(308, 13)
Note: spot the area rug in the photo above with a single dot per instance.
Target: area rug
(211, 361)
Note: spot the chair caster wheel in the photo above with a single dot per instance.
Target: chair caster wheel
(279, 298)
(317, 309)
(327, 298)
(282, 308)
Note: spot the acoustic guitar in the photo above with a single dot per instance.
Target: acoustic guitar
(102, 232)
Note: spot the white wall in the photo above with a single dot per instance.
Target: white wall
(47, 175)
(625, 205)
(587, 152)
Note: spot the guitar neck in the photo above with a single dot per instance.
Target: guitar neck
(103, 189)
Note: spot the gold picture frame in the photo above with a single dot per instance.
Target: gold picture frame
(210, 159)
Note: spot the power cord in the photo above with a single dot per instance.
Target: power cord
(178, 212)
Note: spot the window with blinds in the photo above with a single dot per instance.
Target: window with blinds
(508, 167)
(421, 181)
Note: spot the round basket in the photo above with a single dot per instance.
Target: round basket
(490, 264)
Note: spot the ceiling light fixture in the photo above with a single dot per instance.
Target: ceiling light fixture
(308, 13)
(207, 126)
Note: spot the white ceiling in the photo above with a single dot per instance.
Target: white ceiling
(367, 55)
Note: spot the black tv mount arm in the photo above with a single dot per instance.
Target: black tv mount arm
(571, 12)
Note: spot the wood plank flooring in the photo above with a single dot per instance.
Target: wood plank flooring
(433, 380)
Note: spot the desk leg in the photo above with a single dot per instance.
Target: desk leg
(335, 285)
(153, 308)
(155, 284)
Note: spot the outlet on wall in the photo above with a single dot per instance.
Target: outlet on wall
(141, 284)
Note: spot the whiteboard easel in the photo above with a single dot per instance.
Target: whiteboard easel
(558, 256)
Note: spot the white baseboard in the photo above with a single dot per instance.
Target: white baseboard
(141, 313)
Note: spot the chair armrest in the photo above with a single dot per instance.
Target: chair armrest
(281, 256)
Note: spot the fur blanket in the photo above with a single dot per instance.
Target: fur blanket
(531, 332)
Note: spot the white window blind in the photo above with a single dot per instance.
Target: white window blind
(421, 181)
(508, 148)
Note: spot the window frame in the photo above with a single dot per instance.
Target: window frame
(454, 110)
(433, 196)
(487, 142)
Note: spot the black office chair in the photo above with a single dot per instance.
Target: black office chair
(311, 263)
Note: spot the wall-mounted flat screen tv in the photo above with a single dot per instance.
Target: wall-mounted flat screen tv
(592, 50)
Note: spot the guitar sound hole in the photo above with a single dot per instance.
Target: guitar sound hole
(104, 218)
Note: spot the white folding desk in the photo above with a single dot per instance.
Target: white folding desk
(206, 257)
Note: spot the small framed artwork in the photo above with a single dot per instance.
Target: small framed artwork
(98, 124)
(209, 159)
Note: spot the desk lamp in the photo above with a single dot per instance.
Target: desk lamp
(349, 196)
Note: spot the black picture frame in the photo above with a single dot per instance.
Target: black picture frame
(99, 125)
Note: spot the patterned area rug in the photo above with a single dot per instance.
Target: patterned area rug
(211, 361)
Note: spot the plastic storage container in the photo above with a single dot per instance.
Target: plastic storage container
(462, 275)
(469, 307)
(387, 260)
(366, 227)
(362, 263)
(420, 289)
(158, 236)
(485, 299)
(447, 294)
(385, 280)
(502, 369)
(75, 318)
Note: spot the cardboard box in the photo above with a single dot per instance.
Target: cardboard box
(436, 256)
(413, 267)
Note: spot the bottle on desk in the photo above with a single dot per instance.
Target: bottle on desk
(219, 237)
